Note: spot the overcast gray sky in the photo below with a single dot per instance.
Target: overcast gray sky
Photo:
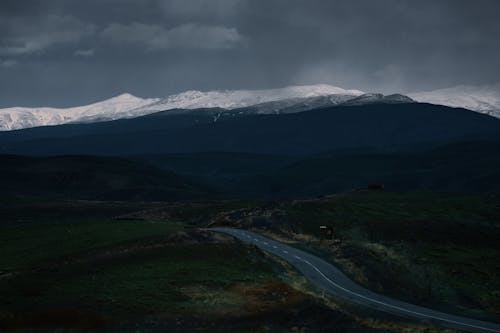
(71, 52)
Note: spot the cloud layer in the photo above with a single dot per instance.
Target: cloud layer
(26, 37)
(189, 35)
(70, 52)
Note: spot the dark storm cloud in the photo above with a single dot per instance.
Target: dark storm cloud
(35, 35)
(67, 52)
(157, 37)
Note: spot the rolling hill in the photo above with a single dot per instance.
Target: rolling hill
(94, 178)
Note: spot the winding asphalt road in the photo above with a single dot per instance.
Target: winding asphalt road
(331, 280)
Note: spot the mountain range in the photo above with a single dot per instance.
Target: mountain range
(378, 126)
(129, 106)
(284, 100)
(483, 99)
(298, 141)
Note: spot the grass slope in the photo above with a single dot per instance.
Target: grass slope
(90, 177)
(90, 271)
(437, 250)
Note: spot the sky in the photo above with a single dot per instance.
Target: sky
(72, 52)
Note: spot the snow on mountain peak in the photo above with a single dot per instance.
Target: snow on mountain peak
(125, 97)
(232, 99)
(110, 109)
(127, 105)
(484, 99)
(297, 98)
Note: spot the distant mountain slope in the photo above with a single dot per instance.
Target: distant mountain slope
(153, 122)
(295, 105)
(459, 167)
(484, 99)
(114, 108)
(283, 100)
(128, 106)
(233, 99)
(380, 127)
(87, 177)
(379, 99)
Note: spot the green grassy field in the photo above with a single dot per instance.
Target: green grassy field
(93, 268)
(148, 267)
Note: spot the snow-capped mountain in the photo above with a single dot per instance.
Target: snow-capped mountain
(129, 106)
(114, 108)
(233, 99)
(484, 99)
(293, 105)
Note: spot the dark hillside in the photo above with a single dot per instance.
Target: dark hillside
(88, 177)
(381, 127)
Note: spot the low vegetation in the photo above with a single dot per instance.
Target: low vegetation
(437, 250)
(151, 267)
(99, 267)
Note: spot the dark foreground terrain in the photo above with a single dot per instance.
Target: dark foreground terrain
(82, 268)
(73, 265)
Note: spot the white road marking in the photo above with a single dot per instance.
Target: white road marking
(255, 240)
(297, 257)
(285, 251)
(266, 243)
(275, 247)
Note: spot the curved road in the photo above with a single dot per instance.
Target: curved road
(333, 281)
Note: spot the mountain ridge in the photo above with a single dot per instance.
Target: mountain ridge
(238, 102)
(483, 99)
(129, 106)
(114, 108)
(382, 127)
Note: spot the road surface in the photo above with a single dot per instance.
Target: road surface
(331, 280)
